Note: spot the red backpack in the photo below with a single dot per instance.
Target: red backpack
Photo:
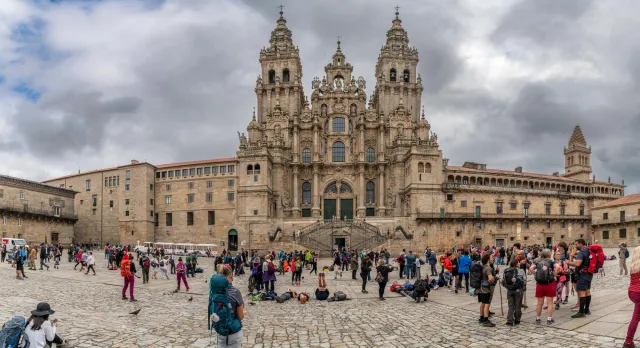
(596, 258)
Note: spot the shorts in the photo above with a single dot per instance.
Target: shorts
(484, 298)
(583, 282)
(574, 278)
(546, 290)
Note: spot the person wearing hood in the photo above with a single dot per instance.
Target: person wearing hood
(128, 270)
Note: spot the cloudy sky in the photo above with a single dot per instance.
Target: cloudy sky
(86, 84)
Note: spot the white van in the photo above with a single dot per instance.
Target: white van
(11, 242)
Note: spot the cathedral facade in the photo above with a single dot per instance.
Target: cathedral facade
(338, 168)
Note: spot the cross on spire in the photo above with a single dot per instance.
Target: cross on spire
(397, 10)
(281, 7)
(338, 42)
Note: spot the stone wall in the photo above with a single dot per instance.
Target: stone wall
(611, 230)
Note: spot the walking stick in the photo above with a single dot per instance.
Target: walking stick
(501, 309)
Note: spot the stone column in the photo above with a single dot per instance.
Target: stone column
(296, 207)
(381, 190)
(362, 194)
(315, 210)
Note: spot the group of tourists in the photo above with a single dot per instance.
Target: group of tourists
(19, 256)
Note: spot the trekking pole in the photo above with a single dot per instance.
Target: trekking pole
(501, 309)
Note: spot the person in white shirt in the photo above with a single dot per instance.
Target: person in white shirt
(155, 264)
(90, 263)
(40, 331)
(163, 266)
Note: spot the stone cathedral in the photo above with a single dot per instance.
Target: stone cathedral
(340, 156)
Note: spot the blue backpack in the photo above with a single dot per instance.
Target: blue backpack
(225, 321)
(12, 332)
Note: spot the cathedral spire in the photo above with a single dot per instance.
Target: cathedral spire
(281, 37)
(577, 138)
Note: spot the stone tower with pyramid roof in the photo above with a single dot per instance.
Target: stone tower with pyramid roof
(577, 156)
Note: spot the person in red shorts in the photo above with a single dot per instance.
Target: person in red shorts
(545, 270)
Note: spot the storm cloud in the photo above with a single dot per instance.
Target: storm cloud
(86, 85)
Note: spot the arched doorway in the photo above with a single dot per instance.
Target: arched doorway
(233, 240)
(338, 201)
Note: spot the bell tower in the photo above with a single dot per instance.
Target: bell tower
(577, 156)
(280, 81)
(397, 81)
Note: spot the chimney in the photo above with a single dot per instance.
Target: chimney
(556, 174)
(519, 169)
(134, 162)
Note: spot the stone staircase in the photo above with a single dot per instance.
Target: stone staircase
(322, 236)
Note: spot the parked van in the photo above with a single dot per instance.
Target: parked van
(11, 242)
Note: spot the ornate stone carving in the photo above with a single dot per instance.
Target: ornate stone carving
(339, 106)
(285, 199)
(391, 198)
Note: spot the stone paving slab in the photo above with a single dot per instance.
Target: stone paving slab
(92, 314)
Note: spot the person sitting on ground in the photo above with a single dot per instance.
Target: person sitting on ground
(40, 331)
(322, 293)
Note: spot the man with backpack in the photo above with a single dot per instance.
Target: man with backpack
(513, 282)
(226, 309)
(623, 255)
(145, 264)
(581, 262)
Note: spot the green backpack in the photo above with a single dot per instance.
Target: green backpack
(221, 316)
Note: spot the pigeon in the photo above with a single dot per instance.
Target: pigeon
(190, 298)
(135, 312)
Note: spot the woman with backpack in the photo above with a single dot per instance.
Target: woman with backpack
(128, 270)
(256, 273)
(562, 277)
(39, 331)
(269, 274)
(228, 306)
(545, 271)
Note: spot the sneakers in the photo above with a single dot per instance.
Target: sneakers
(509, 323)
(566, 300)
(587, 312)
(557, 305)
(365, 291)
(550, 321)
(538, 321)
(133, 300)
(382, 299)
(629, 345)
(578, 315)
(488, 323)
(125, 298)
(517, 322)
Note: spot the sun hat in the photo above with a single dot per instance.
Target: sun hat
(42, 309)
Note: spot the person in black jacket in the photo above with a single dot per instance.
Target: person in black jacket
(365, 268)
(384, 270)
(43, 257)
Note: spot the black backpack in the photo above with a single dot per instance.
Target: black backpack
(475, 275)
(507, 280)
(544, 273)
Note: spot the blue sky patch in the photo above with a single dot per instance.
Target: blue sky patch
(27, 91)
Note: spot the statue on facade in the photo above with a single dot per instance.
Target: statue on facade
(361, 83)
(391, 199)
(285, 199)
(339, 84)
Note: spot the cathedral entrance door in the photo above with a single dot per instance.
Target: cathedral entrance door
(346, 209)
(329, 209)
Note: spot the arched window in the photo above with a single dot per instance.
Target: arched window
(337, 152)
(405, 76)
(323, 110)
(256, 169)
(272, 76)
(250, 169)
(420, 167)
(285, 75)
(371, 192)
(306, 193)
(338, 124)
(344, 188)
(427, 167)
(371, 155)
(392, 75)
(331, 189)
(306, 156)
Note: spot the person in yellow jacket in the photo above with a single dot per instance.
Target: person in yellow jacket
(33, 255)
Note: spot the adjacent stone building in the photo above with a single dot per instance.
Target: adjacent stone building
(339, 168)
(617, 221)
(36, 212)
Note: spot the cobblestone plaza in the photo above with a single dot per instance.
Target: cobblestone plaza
(92, 314)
